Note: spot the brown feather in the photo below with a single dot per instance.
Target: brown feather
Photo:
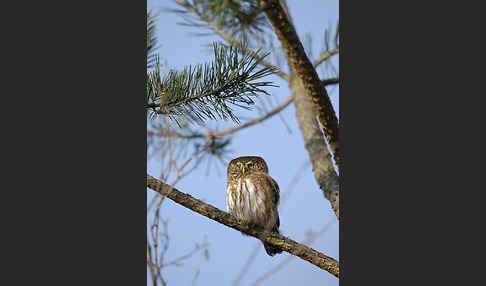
(253, 196)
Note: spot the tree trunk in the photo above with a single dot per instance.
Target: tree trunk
(315, 143)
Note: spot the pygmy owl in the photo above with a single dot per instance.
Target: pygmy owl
(252, 196)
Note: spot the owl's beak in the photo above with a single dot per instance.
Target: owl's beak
(243, 169)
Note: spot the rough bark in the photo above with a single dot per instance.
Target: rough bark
(305, 71)
(320, 260)
(319, 154)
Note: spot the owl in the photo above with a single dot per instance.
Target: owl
(253, 196)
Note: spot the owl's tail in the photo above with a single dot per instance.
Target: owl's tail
(271, 249)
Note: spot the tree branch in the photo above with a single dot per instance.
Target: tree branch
(320, 260)
(319, 155)
(228, 38)
(311, 236)
(206, 91)
(329, 81)
(324, 57)
(305, 71)
(227, 131)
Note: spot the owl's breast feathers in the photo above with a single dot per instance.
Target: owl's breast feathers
(254, 199)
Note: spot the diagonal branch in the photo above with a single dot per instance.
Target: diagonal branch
(319, 154)
(324, 57)
(230, 39)
(279, 108)
(320, 260)
(227, 131)
(305, 71)
(310, 238)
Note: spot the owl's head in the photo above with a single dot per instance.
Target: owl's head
(245, 165)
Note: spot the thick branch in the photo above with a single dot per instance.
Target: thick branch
(228, 38)
(304, 69)
(227, 131)
(324, 172)
(320, 260)
(330, 81)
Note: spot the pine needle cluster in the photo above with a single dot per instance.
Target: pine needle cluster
(241, 18)
(208, 91)
(151, 40)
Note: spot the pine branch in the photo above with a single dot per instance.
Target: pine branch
(151, 39)
(305, 71)
(242, 19)
(306, 253)
(229, 38)
(208, 91)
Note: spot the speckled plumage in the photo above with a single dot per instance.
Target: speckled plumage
(253, 196)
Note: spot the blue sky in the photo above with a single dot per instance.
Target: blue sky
(282, 147)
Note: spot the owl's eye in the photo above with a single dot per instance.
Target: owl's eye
(250, 164)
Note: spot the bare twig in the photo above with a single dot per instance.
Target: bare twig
(310, 239)
(324, 57)
(306, 253)
(155, 260)
(195, 278)
(228, 38)
(178, 261)
(304, 70)
(150, 265)
(293, 182)
(247, 265)
(254, 121)
(223, 132)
